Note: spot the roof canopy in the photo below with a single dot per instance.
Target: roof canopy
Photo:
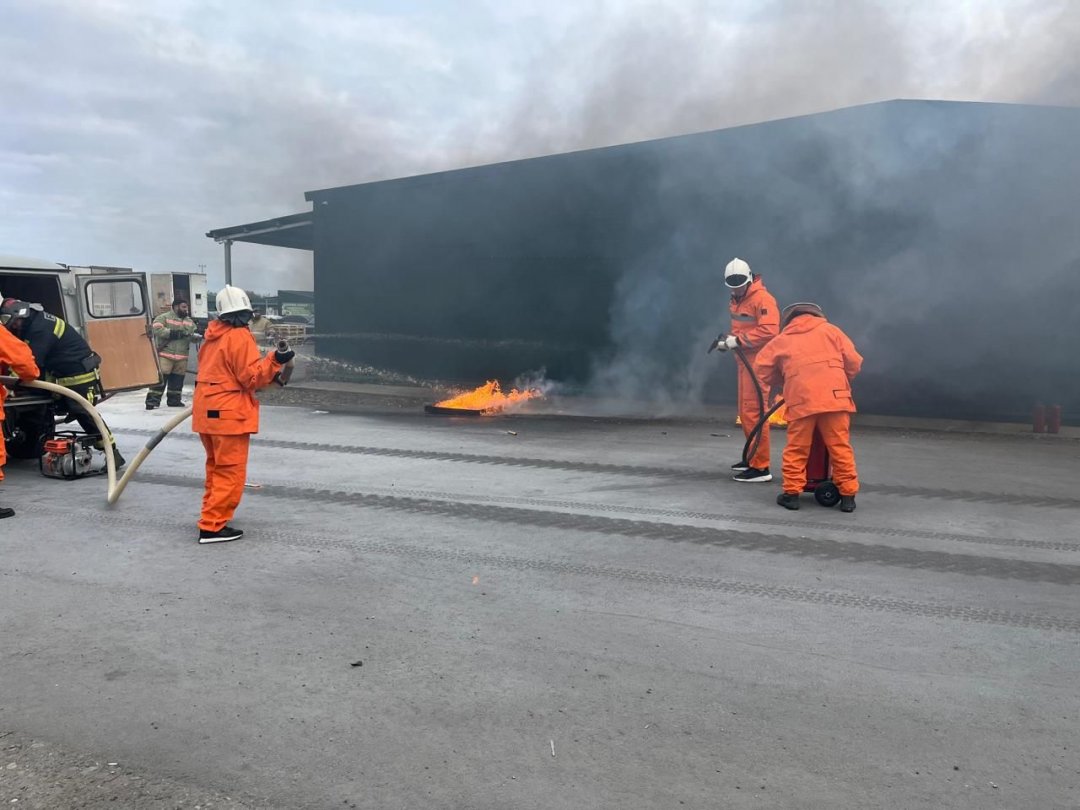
(293, 231)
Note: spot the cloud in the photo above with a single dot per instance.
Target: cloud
(131, 128)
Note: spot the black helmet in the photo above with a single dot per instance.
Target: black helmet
(13, 309)
(802, 308)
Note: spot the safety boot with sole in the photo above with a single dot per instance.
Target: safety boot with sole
(788, 500)
(847, 503)
(752, 475)
(740, 466)
(222, 535)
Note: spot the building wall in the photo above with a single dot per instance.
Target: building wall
(941, 236)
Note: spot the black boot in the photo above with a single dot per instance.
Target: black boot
(6, 512)
(788, 500)
(847, 503)
(176, 389)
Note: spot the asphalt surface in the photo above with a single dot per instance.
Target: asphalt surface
(542, 613)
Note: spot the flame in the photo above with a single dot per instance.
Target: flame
(778, 419)
(489, 398)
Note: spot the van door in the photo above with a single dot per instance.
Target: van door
(115, 314)
(199, 300)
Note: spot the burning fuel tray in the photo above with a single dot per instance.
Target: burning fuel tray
(436, 410)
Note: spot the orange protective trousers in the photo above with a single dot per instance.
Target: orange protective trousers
(226, 471)
(835, 430)
(750, 413)
(3, 449)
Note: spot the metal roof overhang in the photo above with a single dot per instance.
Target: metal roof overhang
(293, 231)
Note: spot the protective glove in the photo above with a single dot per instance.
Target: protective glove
(724, 342)
(284, 357)
(196, 336)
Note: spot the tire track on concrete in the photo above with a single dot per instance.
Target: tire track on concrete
(836, 528)
(922, 493)
(820, 548)
(473, 559)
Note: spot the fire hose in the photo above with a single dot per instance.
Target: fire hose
(115, 487)
(753, 438)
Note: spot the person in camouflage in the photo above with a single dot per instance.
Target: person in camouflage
(173, 332)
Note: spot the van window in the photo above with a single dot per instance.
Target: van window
(119, 298)
(35, 288)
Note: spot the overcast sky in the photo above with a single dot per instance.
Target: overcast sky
(131, 127)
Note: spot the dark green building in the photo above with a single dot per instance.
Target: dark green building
(941, 236)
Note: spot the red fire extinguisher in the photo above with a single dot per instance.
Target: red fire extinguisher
(1053, 419)
(1038, 418)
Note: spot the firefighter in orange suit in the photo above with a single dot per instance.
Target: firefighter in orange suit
(225, 411)
(755, 320)
(16, 359)
(815, 363)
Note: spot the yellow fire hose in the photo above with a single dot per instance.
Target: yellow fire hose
(117, 487)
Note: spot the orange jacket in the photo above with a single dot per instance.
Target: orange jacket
(15, 356)
(755, 319)
(231, 369)
(814, 362)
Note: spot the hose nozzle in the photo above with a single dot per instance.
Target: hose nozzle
(282, 377)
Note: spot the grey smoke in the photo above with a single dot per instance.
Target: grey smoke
(163, 120)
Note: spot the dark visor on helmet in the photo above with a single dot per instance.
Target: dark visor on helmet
(736, 280)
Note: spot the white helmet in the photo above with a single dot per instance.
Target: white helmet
(232, 299)
(737, 274)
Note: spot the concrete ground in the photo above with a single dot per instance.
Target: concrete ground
(542, 613)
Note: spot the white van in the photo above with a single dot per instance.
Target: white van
(110, 307)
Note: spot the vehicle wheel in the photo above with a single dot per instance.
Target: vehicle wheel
(827, 494)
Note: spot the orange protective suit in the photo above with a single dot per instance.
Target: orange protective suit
(15, 356)
(755, 320)
(226, 413)
(814, 362)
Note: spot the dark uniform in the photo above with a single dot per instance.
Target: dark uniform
(65, 358)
